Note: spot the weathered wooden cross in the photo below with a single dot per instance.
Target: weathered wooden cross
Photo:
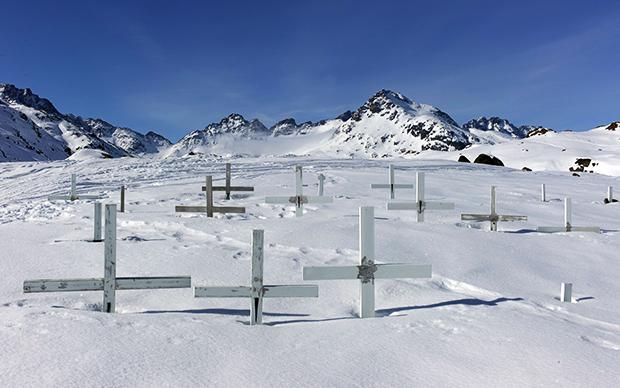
(420, 205)
(367, 271)
(257, 291)
(391, 185)
(568, 222)
(299, 199)
(209, 208)
(321, 184)
(227, 186)
(493, 218)
(73, 196)
(109, 283)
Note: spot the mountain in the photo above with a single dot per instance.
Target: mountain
(490, 128)
(386, 125)
(31, 128)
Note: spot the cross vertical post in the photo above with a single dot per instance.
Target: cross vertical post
(228, 179)
(568, 214)
(493, 210)
(367, 259)
(391, 181)
(123, 199)
(256, 312)
(209, 195)
(610, 194)
(321, 183)
(299, 191)
(419, 195)
(97, 220)
(109, 274)
(543, 194)
(73, 195)
(566, 292)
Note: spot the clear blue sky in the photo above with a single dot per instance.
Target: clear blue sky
(172, 66)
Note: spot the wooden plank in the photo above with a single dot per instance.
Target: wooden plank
(73, 192)
(109, 274)
(123, 199)
(551, 229)
(405, 205)
(543, 193)
(331, 272)
(223, 292)
(321, 184)
(419, 196)
(367, 258)
(477, 217)
(232, 188)
(566, 292)
(97, 221)
(291, 291)
(209, 195)
(396, 271)
(388, 186)
(319, 200)
(568, 212)
(61, 285)
(190, 209)
(493, 200)
(256, 310)
(299, 192)
(508, 218)
(83, 196)
(282, 199)
(229, 209)
(146, 283)
(392, 181)
(594, 229)
(228, 179)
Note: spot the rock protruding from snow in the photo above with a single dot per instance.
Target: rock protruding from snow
(496, 124)
(536, 131)
(289, 127)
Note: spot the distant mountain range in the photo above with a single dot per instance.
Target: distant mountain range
(388, 124)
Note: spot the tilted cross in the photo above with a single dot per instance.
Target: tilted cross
(420, 205)
(392, 185)
(73, 196)
(110, 282)
(493, 218)
(299, 199)
(367, 271)
(568, 222)
(227, 186)
(209, 208)
(257, 291)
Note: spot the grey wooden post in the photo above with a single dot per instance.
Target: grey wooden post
(391, 181)
(109, 275)
(367, 258)
(321, 183)
(543, 194)
(299, 191)
(73, 194)
(123, 199)
(228, 178)
(566, 292)
(493, 210)
(256, 317)
(568, 214)
(97, 220)
(610, 194)
(209, 195)
(419, 195)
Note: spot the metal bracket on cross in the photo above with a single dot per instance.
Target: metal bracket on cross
(209, 208)
(391, 185)
(299, 199)
(420, 205)
(257, 291)
(73, 195)
(109, 283)
(493, 217)
(227, 186)
(367, 271)
(568, 222)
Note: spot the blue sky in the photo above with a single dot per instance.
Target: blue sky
(172, 66)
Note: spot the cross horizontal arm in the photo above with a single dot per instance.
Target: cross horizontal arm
(389, 186)
(409, 205)
(146, 283)
(190, 209)
(280, 199)
(559, 229)
(318, 199)
(228, 209)
(585, 229)
(287, 291)
(478, 217)
(395, 271)
(331, 273)
(511, 218)
(231, 188)
(223, 292)
(56, 285)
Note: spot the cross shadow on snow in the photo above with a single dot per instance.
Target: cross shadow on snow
(220, 311)
(521, 231)
(277, 323)
(464, 301)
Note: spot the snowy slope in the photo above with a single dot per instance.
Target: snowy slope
(487, 318)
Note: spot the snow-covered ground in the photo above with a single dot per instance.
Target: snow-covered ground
(489, 317)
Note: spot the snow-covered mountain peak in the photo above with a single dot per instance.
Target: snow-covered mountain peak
(14, 95)
(496, 124)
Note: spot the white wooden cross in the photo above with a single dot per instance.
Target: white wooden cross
(493, 217)
(227, 186)
(610, 195)
(543, 193)
(209, 208)
(299, 199)
(568, 222)
(367, 271)
(391, 185)
(257, 291)
(420, 205)
(73, 196)
(110, 282)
